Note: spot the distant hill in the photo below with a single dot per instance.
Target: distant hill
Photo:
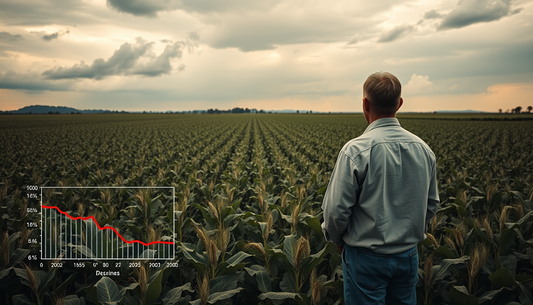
(44, 109)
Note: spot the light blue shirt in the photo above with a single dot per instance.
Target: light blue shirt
(382, 192)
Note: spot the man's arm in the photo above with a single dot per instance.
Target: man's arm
(339, 198)
(433, 197)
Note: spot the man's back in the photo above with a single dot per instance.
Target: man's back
(393, 170)
(380, 198)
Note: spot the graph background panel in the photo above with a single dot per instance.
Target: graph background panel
(107, 223)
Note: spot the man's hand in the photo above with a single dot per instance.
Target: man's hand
(340, 248)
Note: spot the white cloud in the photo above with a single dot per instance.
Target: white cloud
(418, 84)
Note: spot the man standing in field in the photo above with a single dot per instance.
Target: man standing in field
(380, 199)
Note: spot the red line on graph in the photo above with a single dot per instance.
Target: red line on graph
(103, 228)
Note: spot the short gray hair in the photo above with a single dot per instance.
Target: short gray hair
(383, 91)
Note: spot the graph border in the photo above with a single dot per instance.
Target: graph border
(113, 187)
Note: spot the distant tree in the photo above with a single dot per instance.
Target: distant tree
(246, 110)
(518, 109)
(529, 108)
(297, 111)
(500, 111)
(310, 111)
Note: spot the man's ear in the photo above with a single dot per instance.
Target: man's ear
(366, 104)
(400, 104)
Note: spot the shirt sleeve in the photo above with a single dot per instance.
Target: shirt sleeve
(339, 198)
(433, 197)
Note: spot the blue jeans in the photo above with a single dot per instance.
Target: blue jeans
(373, 278)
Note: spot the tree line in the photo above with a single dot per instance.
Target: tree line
(518, 110)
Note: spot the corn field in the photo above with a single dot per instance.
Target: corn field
(247, 212)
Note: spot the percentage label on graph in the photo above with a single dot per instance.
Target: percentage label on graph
(31, 210)
(32, 240)
(32, 195)
(31, 224)
(32, 257)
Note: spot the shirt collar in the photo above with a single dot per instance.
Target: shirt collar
(382, 123)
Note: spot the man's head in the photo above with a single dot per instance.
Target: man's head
(381, 96)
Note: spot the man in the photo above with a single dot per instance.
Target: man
(380, 199)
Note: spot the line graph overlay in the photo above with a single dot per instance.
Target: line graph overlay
(68, 237)
(108, 228)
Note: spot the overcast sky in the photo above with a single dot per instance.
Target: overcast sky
(303, 54)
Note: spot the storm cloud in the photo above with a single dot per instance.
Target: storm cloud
(395, 33)
(142, 7)
(30, 81)
(151, 8)
(9, 37)
(432, 14)
(129, 59)
(44, 12)
(469, 12)
(50, 37)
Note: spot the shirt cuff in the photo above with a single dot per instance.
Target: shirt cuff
(337, 241)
